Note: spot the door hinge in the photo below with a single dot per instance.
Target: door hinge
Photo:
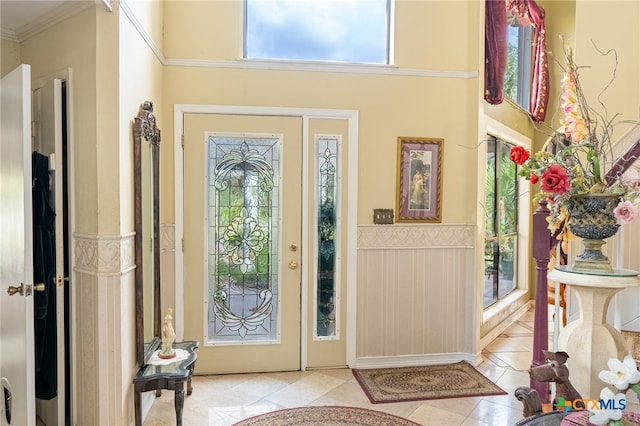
(183, 244)
(182, 141)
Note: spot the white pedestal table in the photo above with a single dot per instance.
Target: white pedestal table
(590, 341)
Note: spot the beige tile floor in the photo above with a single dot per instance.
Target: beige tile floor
(223, 400)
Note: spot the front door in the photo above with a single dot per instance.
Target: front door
(17, 383)
(242, 241)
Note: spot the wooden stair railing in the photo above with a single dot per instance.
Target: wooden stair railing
(543, 241)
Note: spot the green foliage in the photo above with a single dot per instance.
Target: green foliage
(511, 74)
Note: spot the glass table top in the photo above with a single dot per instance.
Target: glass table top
(178, 367)
(615, 273)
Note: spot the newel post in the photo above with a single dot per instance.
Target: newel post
(542, 243)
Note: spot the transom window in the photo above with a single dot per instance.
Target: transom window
(355, 31)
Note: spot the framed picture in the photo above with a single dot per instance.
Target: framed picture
(419, 197)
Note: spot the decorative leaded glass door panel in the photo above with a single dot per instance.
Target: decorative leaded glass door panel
(242, 234)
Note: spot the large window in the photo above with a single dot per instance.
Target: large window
(517, 80)
(355, 31)
(501, 222)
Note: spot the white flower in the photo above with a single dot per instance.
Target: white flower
(621, 374)
(601, 416)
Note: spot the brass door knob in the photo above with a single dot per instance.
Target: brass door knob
(22, 289)
(13, 290)
(293, 265)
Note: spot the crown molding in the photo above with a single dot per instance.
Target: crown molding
(52, 18)
(10, 35)
(124, 7)
(108, 4)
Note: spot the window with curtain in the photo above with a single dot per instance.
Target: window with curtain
(527, 14)
(353, 31)
(501, 223)
(517, 80)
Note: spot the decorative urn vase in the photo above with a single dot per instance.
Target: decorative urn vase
(592, 219)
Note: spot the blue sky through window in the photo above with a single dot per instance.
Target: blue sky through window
(317, 30)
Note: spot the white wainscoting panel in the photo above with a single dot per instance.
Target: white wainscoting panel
(416, 294)
(104, 325)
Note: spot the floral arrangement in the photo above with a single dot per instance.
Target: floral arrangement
(622, 375)
(573, 162)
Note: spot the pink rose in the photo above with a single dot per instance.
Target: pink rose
(555, 179)
(626, 212)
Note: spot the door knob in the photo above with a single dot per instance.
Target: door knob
(293, 265)
(13, 290)
(22, 289)
(293, 247)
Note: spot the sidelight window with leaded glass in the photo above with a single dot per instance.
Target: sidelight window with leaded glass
(326, 300)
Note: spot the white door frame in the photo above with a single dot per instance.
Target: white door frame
(66, 76)
(352, 214)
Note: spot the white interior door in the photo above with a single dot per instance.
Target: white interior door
(16, 252)
(47, 117)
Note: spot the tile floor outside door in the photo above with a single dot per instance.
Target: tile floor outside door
(222, 400)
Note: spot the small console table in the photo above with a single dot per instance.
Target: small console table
(590, 341)
(169, 374)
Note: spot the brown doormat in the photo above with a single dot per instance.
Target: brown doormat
(427, 382)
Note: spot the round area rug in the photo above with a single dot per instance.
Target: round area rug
(326, 416)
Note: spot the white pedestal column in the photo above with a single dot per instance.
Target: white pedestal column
(590, 341)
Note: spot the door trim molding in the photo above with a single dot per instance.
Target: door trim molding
(89, 241)
(352, 211)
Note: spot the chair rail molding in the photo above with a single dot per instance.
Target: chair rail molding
(431, 236)
(104, 255)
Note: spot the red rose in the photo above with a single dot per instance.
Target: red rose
(533, 178)
(555, 179)
(519, 155)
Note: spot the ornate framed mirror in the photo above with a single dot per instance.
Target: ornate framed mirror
(146, 157)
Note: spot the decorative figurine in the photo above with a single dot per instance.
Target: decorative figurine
(168, 336)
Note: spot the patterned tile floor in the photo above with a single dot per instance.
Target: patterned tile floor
(225, 399)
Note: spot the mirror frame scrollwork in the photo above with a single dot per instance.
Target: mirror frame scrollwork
(146, 131)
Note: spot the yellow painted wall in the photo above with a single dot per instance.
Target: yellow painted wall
(9, 56)
(73, 44)
(559, 21)
(389, 105)
(150, 16)
(140, 79)
(610, 25)
(141, 74)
